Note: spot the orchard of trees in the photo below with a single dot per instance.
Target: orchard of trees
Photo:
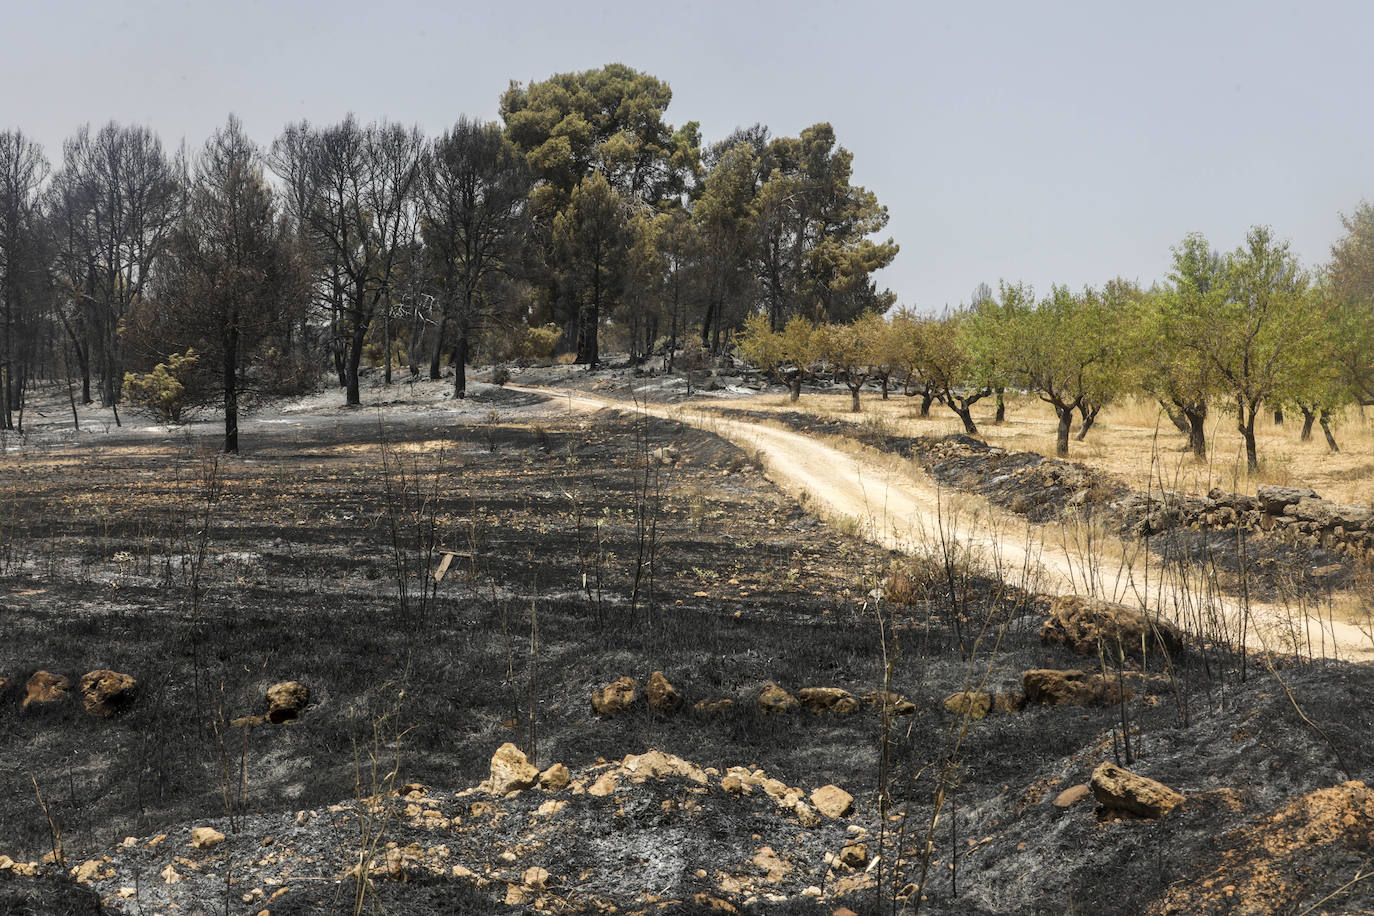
(1243, 333)
(213, 277)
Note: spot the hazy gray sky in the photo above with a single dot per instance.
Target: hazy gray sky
(1064, 142)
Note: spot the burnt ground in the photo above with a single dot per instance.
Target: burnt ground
(1049, 489)
(307, 559)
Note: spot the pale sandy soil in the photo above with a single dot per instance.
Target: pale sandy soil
(900, 507)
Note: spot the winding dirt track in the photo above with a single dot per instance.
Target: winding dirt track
(898, 506)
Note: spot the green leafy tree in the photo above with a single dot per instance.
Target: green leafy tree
(1064, 350)
(791, 353)
(1169, 364)
(1351, 291)
(1255, 335)
(591, 242)
(848, 349)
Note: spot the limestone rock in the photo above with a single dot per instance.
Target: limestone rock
(535, 876)
(1082, 623)
(45, 688)
(662, 695)
(774, 700)
(206, 838)
(1072, 795)
(658, 765)
(554, 778)
(1274, 499)
(832, 801)
(897, 705)
(285, 700)
(713, 707)
(1008, 702)
(971, 703)
(1121, 790)
(615, 697)
(1053, 687)
(511, 771)
(828, 699)
(855, 855)
(605, 784)
(104, 692)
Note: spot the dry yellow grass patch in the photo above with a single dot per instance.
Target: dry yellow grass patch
(1134, 440)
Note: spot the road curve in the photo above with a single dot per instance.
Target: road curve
(897, 505)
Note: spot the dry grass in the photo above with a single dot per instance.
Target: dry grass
(1134, 440)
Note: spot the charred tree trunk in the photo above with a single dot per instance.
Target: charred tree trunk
(231, 391)
(1177, 417)
(1000, 416)
(1197, 431)
(1309, 417)
(1246, 427)
(460, 361)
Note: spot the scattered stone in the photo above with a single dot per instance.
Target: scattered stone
(170, 874)
(971, 703)
(713, 707)
(206, 838)
(1072, 687)
(45, 688)
(604, 785)
(774, 700)
(1117, 789)
(535, 876)
(286, 700)
(855, 855)
(658, 765)
(661, 694)
(88, 871)
(1072, 795)
(1008, 702)
(896, 704)
(615, 697)
(1082, 624)
(828, 699)
(554, 778)
(105, 692)
(775, 869)
(832, 801)
(511, 771)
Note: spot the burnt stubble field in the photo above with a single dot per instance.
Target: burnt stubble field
(579, 550)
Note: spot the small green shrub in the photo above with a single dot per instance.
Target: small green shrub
(163, 391)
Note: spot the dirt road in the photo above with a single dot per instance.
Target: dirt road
(897, 505)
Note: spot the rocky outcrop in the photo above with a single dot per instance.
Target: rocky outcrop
(973, 704)
(616, 697)
(105, 692)
(828, 699)
(45, 689)
(511, 771)
(286, 700)
(1053, 687)
(893, 703)
(832, 801)
(774, 700)
(662, 695)
(1086, 625)
(1117, 789)
(206, 838)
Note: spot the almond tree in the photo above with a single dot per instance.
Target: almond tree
(1254, 337)
(1066, 351)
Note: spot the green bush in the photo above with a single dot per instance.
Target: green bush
(162, 391)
